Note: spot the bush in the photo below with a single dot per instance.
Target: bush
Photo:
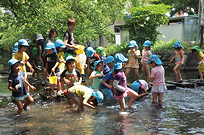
(112, 49)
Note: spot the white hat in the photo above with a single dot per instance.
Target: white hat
(39, 36)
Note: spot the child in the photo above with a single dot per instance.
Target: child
(146, 53)
(179, 60)
(97, 75)
(91, 58)
(157, 76)
(140, 86)
(200, 54)
(101, 53)
(82, 95)
(70, 76)
(133, 55)
(34, 62)
(59, 45)
(15, 49)
(110, 62)
(16, 84)
(52, 62)
(120, 85)
(23, 57)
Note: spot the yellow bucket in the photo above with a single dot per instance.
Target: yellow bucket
(80, 49)
(52, 79)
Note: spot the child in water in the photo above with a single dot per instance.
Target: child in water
(82, 95)
(120, 84)
(200, 54)
(16, 84)
(157, 76)
(179, 60)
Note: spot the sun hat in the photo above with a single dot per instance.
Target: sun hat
(34, 51)
(154, 58)
(101, 50)
(70, 58)
(11, 62)
(144, 83)
(96, 63)
(109, 59)
(178, 44)
(196, 48)
(133, 43)
(49, 46)
(135, 86)
(90, 51)
(98, 95)
(120, 58)
(15, 49)
(147, 43)
(39, 36)
(117, 65)
(59, 43)
(23, 42)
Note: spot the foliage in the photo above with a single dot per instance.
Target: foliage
(178, 5)
(144, 21)
(112, 49)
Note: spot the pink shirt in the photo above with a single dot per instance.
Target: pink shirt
(158, 74)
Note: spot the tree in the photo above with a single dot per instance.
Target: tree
(144, 21)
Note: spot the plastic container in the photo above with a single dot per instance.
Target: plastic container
(52, 79)
(81, 49)
(82, 59)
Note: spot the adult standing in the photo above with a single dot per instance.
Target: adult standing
(69, 37)
(40, 45)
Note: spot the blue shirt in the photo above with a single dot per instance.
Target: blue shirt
(109, 79)
(106, 69)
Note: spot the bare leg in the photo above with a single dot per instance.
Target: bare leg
(154, 95)
(45, 75)
(127, 71)
(133, 96)
(29, 100)
(58, 85)
(146, 72)
(52, 88)
(136, 72)
(122, 104)
(19, 104)
(77, 101)
(160, 97)
(201, 75)
(177, 71)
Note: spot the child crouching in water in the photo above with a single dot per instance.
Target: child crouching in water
(82, 95)
(157, 76)
(120, 85)
(17, 81)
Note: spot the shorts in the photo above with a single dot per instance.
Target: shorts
(159, 89)
(123, 95)
(200, 68)
(58, 76)
(83, 78)
(20, 98)
(107, 93)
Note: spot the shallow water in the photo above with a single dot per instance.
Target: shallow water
(181, 113)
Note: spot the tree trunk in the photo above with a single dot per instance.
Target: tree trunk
(100, 40)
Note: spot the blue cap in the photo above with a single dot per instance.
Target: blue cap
(117, 65)
(135, 86)
(178, 44)
(13, 61)
(147, 43)
(120, 58)
(23, 42)
(133, 43)
(109, 59)
(59, 43)
(70, 58)
(49, 46)
(90, 51)
(98, 95)
(15, 49)
(154, 58)
(96, 63)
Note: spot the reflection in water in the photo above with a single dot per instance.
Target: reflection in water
(181, 113)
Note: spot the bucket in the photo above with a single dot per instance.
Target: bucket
(52, 79)
(80, 49)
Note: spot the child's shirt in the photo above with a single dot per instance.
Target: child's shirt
(200, 56)
(92, 59)
(120, 76)
(61, 64)
(109, 80)
(145, 56)
(73, 77)
(96, 81)
(158, 74)
(132, 61)
(81, 91)
(79, 66)
(21, 56)
(178, 55)
(106, 68)
(15, 80)
(51, 60)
